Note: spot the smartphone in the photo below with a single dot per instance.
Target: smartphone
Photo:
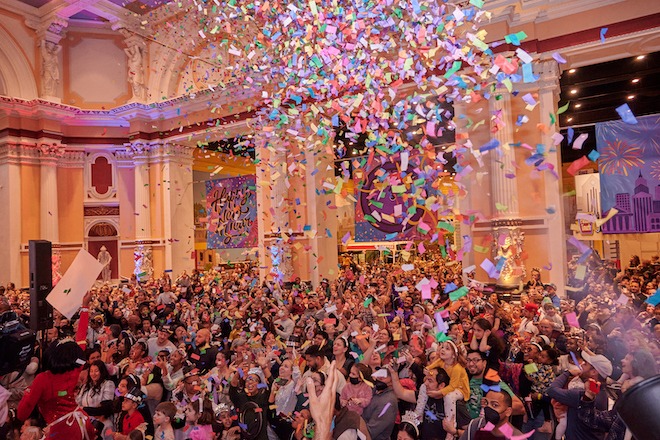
(594, 386)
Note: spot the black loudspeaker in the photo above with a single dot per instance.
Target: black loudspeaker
(41, 283)
(639, 408)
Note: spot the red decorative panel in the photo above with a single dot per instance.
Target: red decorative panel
(101, 175)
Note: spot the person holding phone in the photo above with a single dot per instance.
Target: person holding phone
(596, 367)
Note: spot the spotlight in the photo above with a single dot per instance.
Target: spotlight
(574, 91)
(641, 57)
(577, 105)
(635, 80)
(570, 119)
(571, 71)
(630, 97)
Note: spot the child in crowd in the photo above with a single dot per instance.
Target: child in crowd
(357, 392)
(199, 419)
(163, 417)
(131, 418)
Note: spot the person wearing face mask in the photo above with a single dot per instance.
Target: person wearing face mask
(497, 410)
(381, 412)
(357, 393)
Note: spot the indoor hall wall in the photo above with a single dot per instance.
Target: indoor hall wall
(13, 27)
(102, 83)
(576, 21)
(71, 214)
(643, 245)
(30, 213)
(70, 205)
(156, 185)
(126, 195)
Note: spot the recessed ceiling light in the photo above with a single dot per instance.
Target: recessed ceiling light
(641, 57)
(631, 97)
(578, 105)
(571, 71)
(570, 119)
(635, 80)
(574, 91)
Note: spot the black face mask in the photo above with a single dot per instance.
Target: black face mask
(355, 380)
(491, 415)
(380, 386)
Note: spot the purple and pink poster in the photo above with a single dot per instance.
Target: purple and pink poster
(629, 166)
(391, 205)
(231, 206)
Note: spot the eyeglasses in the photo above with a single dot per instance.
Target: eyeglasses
(473, 361)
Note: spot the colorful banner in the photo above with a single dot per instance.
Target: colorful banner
(629, 166)
(231, 206)
(386, 210)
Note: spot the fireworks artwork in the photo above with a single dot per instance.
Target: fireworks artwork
(618, 157)
(655, 169)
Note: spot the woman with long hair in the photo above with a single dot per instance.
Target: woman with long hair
(96, 394)
(339, 351)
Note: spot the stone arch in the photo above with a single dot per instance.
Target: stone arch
(15, 69)
(101, 227)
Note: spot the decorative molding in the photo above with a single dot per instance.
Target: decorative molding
(100, 211)
(614, 48)
(72, 159)
(522, 223)
(91, 195)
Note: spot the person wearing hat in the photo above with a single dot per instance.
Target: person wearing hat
(247, 398)
(131, 418)
(160, 342)
(527, 327)
(594, 366)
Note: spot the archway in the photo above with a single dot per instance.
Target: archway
(15, 69)
(105, 234)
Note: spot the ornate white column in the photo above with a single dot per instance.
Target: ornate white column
(141, 155)
(506, 224)
(143, 253)
(504, 190)
(548, 84)
(322, 245)
(49, 154)
(178, 206)
(10, 220)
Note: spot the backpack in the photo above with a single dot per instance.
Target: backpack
(16, 344)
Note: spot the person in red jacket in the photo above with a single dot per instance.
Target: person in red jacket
(53, 392)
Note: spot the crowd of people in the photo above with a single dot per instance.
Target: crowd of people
(372, 355)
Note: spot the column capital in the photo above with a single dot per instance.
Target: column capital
(50, 152)
(72, 159)
(548, 72)
(51, 28)
(177, 152)
(139, 149)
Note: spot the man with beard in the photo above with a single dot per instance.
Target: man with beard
(596, 367)
(316, 359)
(497, 411)
(479, 385)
